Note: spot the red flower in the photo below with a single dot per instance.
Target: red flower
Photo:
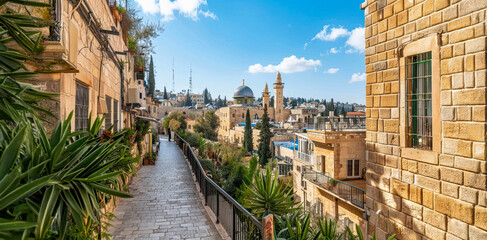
(131, 144)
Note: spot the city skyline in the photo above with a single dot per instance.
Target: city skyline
(231, 42)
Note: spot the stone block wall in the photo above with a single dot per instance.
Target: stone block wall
(437, 194)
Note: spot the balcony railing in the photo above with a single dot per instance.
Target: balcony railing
(304, 157)
(56, 13)
(235, 219)
(284, 168)
(347, 192)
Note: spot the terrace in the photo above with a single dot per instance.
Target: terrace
(350, 191)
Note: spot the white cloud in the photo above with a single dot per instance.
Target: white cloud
(333, 50)
(148, 6)
(357, 77)
(290, 64)
(357, 39)
(168, 8)
(332, 70)
(208, 14)
(332, 35)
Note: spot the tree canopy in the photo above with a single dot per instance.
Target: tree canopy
(207, 125)
(177, 116)
(248, 142)
(265, 136)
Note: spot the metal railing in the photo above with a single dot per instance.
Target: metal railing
(350, 193)
(304, 156)
(235, 219)
(284, 168)
(56, 13)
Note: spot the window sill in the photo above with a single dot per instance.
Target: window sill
(420, 155)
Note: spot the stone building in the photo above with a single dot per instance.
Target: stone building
(426, 132)
(243, 99)
(80, 62)
(328, 170)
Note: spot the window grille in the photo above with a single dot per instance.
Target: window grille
(418, 97)
(81, 107)
(108, 116)
(115, 115)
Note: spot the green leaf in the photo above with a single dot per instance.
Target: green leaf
(110, 191)
(8, 225)
(11, 152)
(45, 212)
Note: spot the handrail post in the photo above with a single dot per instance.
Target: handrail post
(233, 224)
(217, 207)
(206, 192)
(268, 225)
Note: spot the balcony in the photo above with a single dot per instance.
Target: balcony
(345, 191)
(305, 157)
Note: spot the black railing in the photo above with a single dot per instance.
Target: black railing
(235, 219)
(55, 28)
(350, 193)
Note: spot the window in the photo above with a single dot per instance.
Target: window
(108, 116)
(319, 209)
(140, 95)
(353, 168)
(115, 115)
(81, 107)
(419, 101)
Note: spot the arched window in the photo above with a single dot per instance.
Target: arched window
(256, 116)
(243, 115)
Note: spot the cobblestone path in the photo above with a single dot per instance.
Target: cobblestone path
(165, 203)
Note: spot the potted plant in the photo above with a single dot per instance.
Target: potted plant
(116, 13)
(149, 159)
(121, 11)
(209, 148)
(140, 64)
(132, 45)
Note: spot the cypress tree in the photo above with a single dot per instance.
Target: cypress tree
(205, 95)
(265, 136)
(248, 141)
(151, 80)
(189, 103)
(165, 94)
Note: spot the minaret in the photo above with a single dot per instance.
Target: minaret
(265, 96)
(278, 99)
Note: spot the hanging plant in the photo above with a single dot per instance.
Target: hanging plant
(121, 11)
(132, 44)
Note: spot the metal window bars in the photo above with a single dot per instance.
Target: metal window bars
(418, 100)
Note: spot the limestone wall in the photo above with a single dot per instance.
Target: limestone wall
(438, 193)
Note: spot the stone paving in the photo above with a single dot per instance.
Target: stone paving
(165, 203)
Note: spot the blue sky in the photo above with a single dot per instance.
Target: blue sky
(317, 45)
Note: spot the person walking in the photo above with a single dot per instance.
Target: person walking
(168, 134)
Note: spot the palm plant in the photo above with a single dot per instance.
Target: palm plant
(360, 236)
(16, 97)
(49, 185)
(46, 181)
(268, 196)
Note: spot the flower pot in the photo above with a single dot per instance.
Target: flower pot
(119, 18)
(141, 68)
(116, 13)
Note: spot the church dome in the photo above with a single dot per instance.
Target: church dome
(243, 92)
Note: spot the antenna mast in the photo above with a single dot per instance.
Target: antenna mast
(173, 88)
(190, 80)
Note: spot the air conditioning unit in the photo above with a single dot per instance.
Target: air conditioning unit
(133, 96)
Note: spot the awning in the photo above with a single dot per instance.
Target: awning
(148, 118)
